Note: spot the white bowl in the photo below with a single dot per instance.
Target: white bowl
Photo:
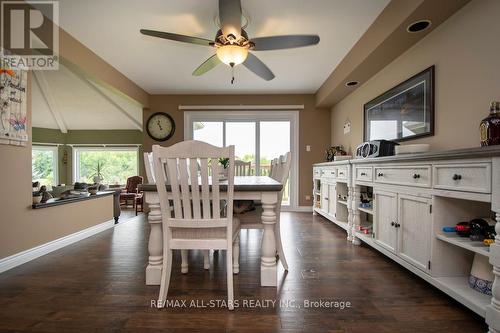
(412, 149)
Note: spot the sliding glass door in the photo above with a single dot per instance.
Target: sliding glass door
(258, 137)
(242, 136)
(275, 139)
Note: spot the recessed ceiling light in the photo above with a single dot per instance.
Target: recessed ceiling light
(418, 26)
(351, 83)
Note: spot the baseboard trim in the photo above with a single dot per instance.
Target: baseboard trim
(297, 209)
(38, 251)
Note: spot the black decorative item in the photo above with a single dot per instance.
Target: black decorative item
(404, 112)
(334, 151)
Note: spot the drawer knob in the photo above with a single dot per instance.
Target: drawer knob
(457, 177)
(416, 176)
(397, 225)
(380, 174)
(363, 174)
(393, 224)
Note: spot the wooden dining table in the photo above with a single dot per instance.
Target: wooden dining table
(261, 188)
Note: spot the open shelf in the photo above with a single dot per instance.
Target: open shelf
(331, 218)
(455, 286)
(458, 288)
(465, 243)
(366, 210)
(341, 224)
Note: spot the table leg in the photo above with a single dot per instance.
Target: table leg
(155, 245)
(268, 268)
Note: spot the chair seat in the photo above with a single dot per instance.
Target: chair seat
(204, 233)
(128, 195)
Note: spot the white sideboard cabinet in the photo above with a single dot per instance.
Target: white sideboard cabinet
(413, 198)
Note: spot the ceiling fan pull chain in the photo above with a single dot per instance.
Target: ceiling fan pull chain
(232, 74)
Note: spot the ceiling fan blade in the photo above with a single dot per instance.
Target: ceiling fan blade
(177, 37)
(209, 64)
(230, 17)
(284, 42)
(258, 67)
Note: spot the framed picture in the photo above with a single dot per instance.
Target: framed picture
(404, 112)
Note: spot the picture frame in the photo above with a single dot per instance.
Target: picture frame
(404, 112)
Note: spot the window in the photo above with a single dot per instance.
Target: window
(258, 137)
(113, 164)
(44, 165)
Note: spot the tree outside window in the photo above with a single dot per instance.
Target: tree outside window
(114, 166)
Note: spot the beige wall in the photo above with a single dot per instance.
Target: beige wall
(314, 125)
(21, 227)
(466, 52)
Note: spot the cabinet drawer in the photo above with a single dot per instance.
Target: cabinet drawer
(329, 173)
(473, 177)
(364, 174)
(342, 173)
(316, 172)
(404, 175)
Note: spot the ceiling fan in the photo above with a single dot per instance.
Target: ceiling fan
(233, 45)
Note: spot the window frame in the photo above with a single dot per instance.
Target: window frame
(256, 116)
(55, 163)
(77, 150)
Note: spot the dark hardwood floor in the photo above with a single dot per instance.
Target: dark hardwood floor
(97, 285)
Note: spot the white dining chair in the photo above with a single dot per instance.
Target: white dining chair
(150, 176)
(272, 167)
(242, 168)
(202, 215)
(252, 220)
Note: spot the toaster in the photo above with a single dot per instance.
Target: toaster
(376, 148)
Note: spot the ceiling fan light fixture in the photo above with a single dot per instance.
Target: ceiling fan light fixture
(232, 55)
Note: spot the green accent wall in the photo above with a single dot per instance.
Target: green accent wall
(83, 137)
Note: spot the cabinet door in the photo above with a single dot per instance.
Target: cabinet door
(324, 196)
(414, 232)
(332, 198)
(386, 212)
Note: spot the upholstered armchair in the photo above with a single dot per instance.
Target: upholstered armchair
(130, 193)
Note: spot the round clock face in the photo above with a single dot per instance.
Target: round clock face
(160, 126)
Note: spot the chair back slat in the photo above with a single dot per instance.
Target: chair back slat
(205, 190)
(195, 187)
(148, 166)
(274, 168)
(174, 182)
(185, 193)
(215, 189)
(242, 168)
(282, 171)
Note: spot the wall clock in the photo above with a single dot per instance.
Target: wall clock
(160, 126)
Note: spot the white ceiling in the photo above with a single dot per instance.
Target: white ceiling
(111, 29)
(80, 103)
